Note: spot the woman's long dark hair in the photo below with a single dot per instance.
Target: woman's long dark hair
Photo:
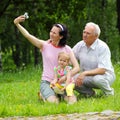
(63, 32)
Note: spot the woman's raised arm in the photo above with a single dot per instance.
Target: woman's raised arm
(35, 41)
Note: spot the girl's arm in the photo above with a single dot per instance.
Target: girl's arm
(35, 41)
(68, 77)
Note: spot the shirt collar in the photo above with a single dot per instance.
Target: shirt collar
(93, 45)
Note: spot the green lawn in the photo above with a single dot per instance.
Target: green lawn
(18, 96)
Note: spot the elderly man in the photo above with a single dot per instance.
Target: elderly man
(95, 62)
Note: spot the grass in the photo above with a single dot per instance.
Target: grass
(18, 96)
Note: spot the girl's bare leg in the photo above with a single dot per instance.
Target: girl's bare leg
(70, 99)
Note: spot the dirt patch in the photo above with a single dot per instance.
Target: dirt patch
(105, 115)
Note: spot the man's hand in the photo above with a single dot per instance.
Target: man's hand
(79, 80)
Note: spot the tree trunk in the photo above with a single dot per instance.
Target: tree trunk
(16, 51)
(0, 58)
(3, 6)
(118, 15)
(118, 20)
(36, 56)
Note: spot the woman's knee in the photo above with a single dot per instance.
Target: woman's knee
(53, 99)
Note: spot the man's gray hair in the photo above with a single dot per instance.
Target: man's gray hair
(97, 28)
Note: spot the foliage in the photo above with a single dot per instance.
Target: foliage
(102, 12)
(43, 14)
(19, 96)
(8, 62)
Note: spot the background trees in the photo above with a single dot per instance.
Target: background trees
(17, 52)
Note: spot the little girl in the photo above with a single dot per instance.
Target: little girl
(63, 69)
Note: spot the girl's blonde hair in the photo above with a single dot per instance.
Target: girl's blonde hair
(65, 55)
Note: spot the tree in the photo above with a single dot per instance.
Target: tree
(118, 23)
(118, 14)
(0, 58)
(43, 13)
(3, 7)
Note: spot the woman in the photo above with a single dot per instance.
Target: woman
(49, 51)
